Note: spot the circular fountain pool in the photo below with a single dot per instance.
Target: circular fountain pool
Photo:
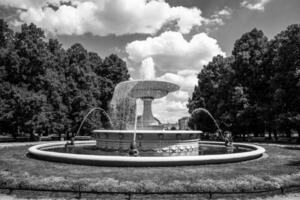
(87, 153)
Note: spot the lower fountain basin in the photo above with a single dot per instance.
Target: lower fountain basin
(148, 140)
(44, 152)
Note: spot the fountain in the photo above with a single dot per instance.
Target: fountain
(147, 134)
(143, 135)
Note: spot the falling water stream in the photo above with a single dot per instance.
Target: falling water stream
(135, 121)
(88, 114)
(214, 120)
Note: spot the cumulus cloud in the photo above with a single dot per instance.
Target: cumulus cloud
(255, 4)
(179, 95)
(25, 4)
(106, 16)
(218, 17)
(171, 52)
(225, 12)
(186, 79)
(167, 110)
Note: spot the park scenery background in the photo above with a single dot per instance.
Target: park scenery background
(237, 59)
(46, 89)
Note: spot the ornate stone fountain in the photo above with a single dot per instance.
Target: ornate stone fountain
(150, 135)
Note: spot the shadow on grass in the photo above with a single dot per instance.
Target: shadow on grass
(292, 148)
(28, 155)
(294, 163)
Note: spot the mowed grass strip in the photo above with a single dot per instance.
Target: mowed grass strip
(279, 168)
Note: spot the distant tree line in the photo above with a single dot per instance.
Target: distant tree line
(257, 88)
(45, 89)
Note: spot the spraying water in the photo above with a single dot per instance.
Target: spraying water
(133, 150)
(122, 106)
(88, 114)
(205, 111)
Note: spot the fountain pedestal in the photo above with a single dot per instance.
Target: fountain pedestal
(157, 141)
(147, 117)
(147, 91)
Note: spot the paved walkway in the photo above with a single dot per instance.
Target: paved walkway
(19, 144)
(290, 196)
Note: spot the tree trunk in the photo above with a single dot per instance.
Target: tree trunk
(244, 136)
(288, 133)
(298, 130)
(270, 133)
(275, 134)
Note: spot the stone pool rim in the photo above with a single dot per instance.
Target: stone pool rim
(148, 131)
(37, 152)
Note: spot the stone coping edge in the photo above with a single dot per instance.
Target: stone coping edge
(148, 131)
(128, 161)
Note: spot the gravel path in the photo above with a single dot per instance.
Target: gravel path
(19, 144)
(290, 196)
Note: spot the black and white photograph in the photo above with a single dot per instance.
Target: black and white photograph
(150, 99)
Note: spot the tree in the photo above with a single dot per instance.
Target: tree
(285, 83)
(114, 69)
(214, 89)
(201, 120)
(47, 89)
(236, 89)
(252, 77)
(260, 87)
(6, 35)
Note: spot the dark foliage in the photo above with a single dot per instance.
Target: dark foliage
(257, 89)
(46, 89)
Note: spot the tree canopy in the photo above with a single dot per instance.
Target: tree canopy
(45, 88)
(257, 88)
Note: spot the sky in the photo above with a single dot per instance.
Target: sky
(169, 40)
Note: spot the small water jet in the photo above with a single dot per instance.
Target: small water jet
(88, 114)
(227, 137)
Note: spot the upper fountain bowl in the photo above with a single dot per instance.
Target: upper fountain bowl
(150, 88)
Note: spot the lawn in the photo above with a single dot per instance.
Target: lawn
(280, 167)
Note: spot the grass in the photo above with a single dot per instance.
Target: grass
(280, 168)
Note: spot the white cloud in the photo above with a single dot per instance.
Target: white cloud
(179, 95)
(255, 4)
(172, 53)
(25, 4)
(219, 16)
(147, 69)
(186, 79)
(167, 110)
(225, 12)
(106, 16)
